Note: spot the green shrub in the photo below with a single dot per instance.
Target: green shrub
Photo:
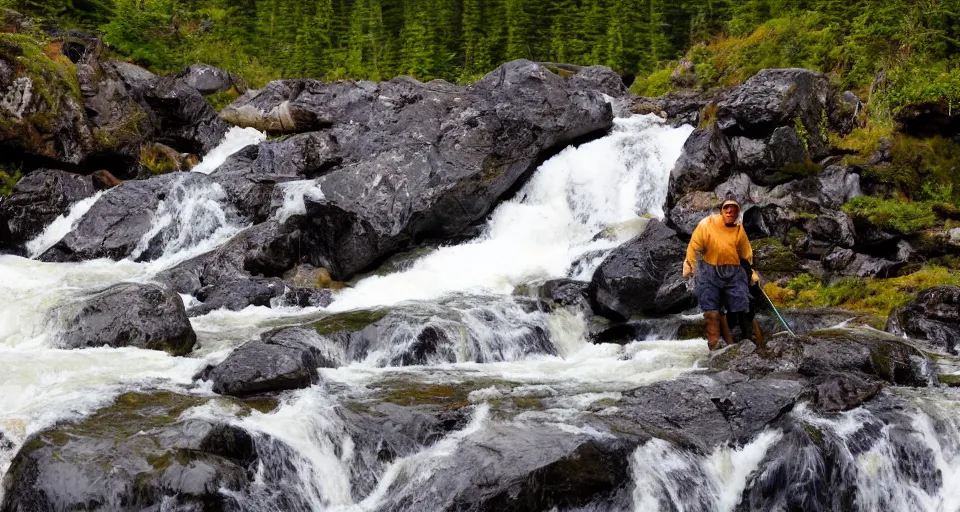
(9, 176)
(893, 214)
(657, 84)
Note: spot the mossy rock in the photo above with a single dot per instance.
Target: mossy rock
(41, 108)
(350, 321)
(136, 451)
(952, 380)
(770, 255)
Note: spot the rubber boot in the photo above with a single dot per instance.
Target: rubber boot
(758, 338)
(725, 329)
(712, 319)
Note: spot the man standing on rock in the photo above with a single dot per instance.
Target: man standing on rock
(721, 243)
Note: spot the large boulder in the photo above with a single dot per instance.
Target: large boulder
(642, 276)
(933, 317)
(706, 161)
(38, 199)
(134, 454)
(774, 98)
(119, 122)
(420, 160)
(128, 315)
(41, 108)
(281, 360)
(184, 119)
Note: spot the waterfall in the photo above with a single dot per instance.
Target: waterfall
(553, 221)
(234, 140)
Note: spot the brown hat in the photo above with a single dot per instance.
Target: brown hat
(730, 201)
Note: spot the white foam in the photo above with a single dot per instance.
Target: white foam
(234, 140)
(60, 226)
(293, 195)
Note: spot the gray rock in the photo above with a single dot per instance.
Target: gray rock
(207, 79)
(777, 98)
(128, 315)
(116, 224)
(236, 294)
(706, 161)
(155, 462)
(933, 318)
(37, 199)
(279, 361)
(642, 275)
(250, 176)
(566, 292)
(428, 162)
(184, 119)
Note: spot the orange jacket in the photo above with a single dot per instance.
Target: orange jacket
(718, 243)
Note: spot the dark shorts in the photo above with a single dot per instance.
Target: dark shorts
(722, 287)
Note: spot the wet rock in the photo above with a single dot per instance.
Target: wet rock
(521, 467)
(154, 460)
(804, 320)
(207, 79)
(827, 231)
(706, 161)
(307, 298)
(933, 318)
(848, 263)
(119, 121)
(691, 209)
(419, 162)
(684, 107)
(776, 98)
(599, 78)
(306, 276)
(184, 119)
(642, 276)
(116, 224)
(37, 199)
(872, 355)
(704, 410)
(842, 392)
(128, 315)
(281, 360)
(237, 294)
(265, 249)
(566, 292)
(445, 332)
(250, 176)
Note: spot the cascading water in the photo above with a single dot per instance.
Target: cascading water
(503, 388)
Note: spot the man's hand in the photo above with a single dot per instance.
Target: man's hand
(687, 269)
(754, 278)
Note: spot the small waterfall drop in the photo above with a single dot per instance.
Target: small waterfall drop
(234, 140)
(62, 225)
(553, 221)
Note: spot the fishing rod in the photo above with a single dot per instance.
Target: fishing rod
(779, 317)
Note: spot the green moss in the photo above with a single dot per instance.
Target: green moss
(815, 433)
(656, 84)
(222, 99)
(906, 217)
(53, 80)
(9, 176)
(802, 132)
(952, 380)
(417, 393)
(708, 116)
(351, 321)
(771, 255)
(868, 295)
